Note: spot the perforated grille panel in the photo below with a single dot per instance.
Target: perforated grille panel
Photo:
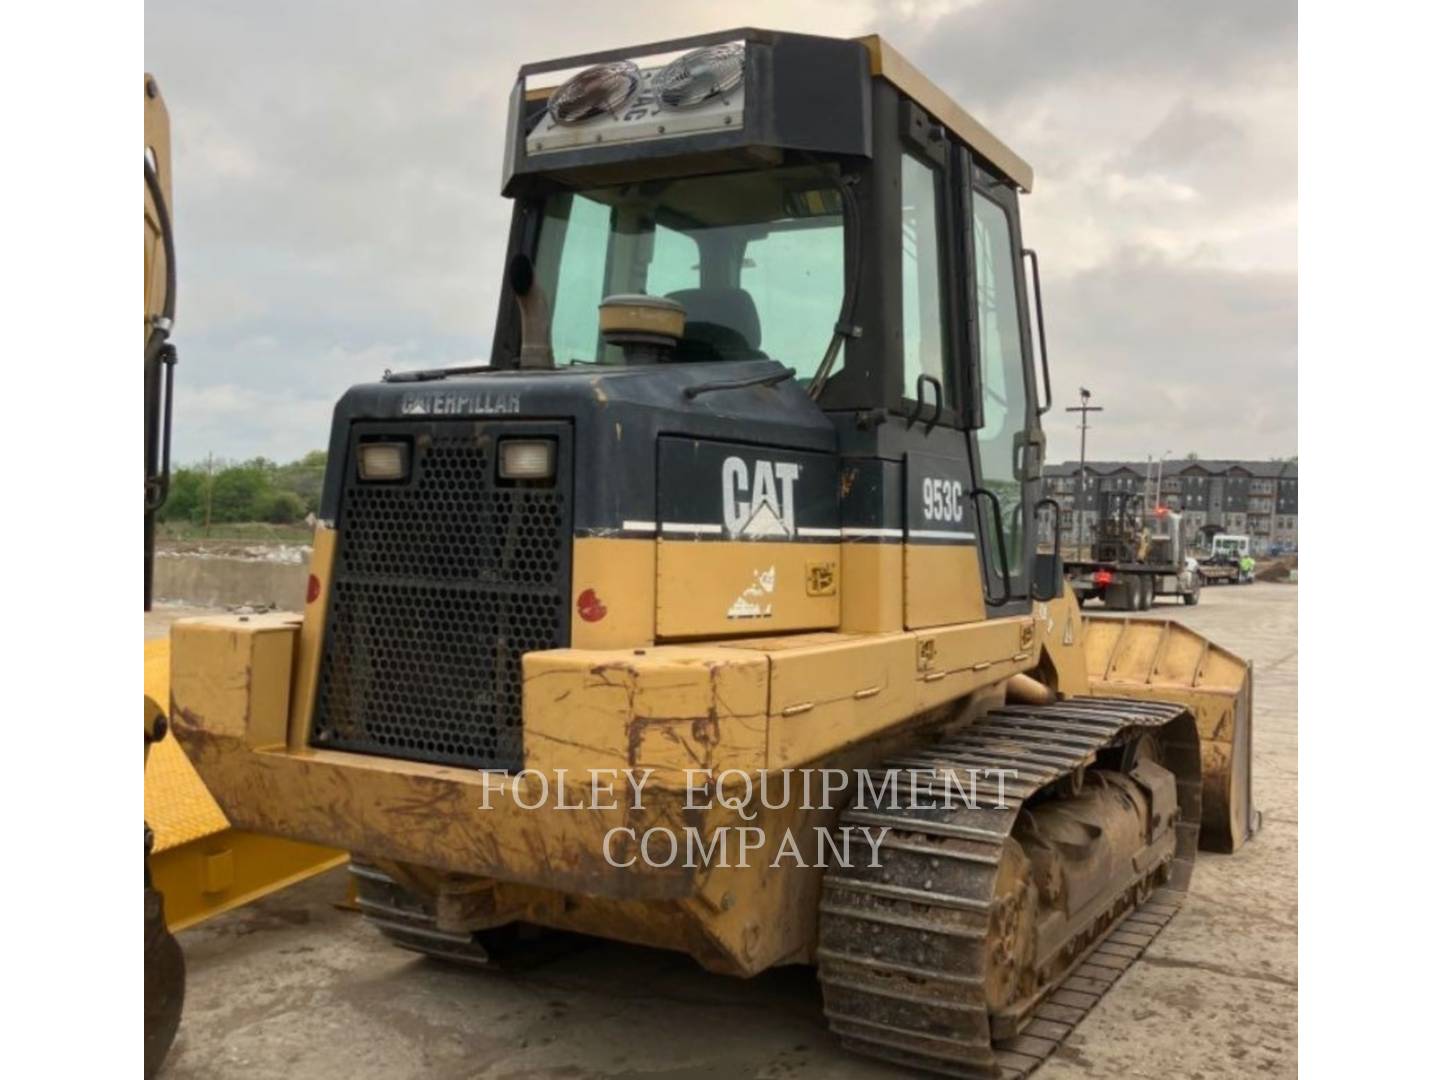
(441, 584)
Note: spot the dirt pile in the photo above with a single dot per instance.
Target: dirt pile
(1277, 569)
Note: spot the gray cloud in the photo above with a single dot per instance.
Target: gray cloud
(1189, 135)
(1000, 51)
(1181, 357)
(337, 168)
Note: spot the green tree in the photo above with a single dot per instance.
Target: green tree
(282, 508)
(238, 494)
(304, 477)
(255, 490)
(186, 500)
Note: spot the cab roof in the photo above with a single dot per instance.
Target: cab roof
(886, 62)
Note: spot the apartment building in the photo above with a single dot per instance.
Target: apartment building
(1259, 499)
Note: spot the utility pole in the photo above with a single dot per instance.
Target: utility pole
(1084, 409)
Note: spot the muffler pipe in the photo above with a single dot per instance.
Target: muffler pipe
(1022, 689)
(534, 305)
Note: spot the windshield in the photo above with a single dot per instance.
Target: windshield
(756, 258)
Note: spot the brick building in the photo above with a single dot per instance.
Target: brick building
(1259, 499)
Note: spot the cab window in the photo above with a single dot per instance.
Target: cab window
(1002, 370)
(757, 259)
(920, 284)
(674, 263)
(577, 229)
(795, 272)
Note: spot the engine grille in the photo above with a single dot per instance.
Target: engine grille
(441, 583)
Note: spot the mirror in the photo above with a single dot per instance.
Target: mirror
(1047, 575)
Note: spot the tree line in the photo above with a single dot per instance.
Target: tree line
(221, 492)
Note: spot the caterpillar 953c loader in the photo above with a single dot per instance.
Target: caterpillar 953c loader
(748, 486)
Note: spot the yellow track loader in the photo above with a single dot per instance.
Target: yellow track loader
(711, 614)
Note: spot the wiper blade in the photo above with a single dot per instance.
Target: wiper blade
(692, 392)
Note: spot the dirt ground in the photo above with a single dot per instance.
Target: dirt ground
(296, 987)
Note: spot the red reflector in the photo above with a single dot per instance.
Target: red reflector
(590, 607)
(1102, 577)
(312, 589)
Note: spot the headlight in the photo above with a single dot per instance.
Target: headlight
(700, 75)
(595, 91)
(384, 460)
(527, 459)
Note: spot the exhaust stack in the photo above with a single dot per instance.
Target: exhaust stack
(535, 351)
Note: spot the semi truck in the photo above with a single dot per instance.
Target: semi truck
(1138, 555)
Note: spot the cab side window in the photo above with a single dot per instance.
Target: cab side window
(1002, 368)
(920, 277)
(573, 240)
(1001, 358)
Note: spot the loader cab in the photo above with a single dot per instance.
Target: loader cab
(830, 213)
(829, 424)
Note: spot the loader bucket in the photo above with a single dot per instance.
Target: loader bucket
(1161, 660)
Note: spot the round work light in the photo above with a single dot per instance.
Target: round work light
(595, 91)
(700, 75)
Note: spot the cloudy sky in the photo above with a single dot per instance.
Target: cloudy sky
(337, 194)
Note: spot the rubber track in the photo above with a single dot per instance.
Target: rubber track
(902, 947)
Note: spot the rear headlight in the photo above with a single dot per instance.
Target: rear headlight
(384, 460)
(700, 75)
(527, 459)
(595, 91)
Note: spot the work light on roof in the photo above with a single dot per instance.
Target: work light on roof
(700, 75)
(596, 91)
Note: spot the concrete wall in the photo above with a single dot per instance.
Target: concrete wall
(216, 581)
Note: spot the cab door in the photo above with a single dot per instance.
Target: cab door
(1008, 447)
(942, 564)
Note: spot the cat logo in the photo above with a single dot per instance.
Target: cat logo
(759, 506)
